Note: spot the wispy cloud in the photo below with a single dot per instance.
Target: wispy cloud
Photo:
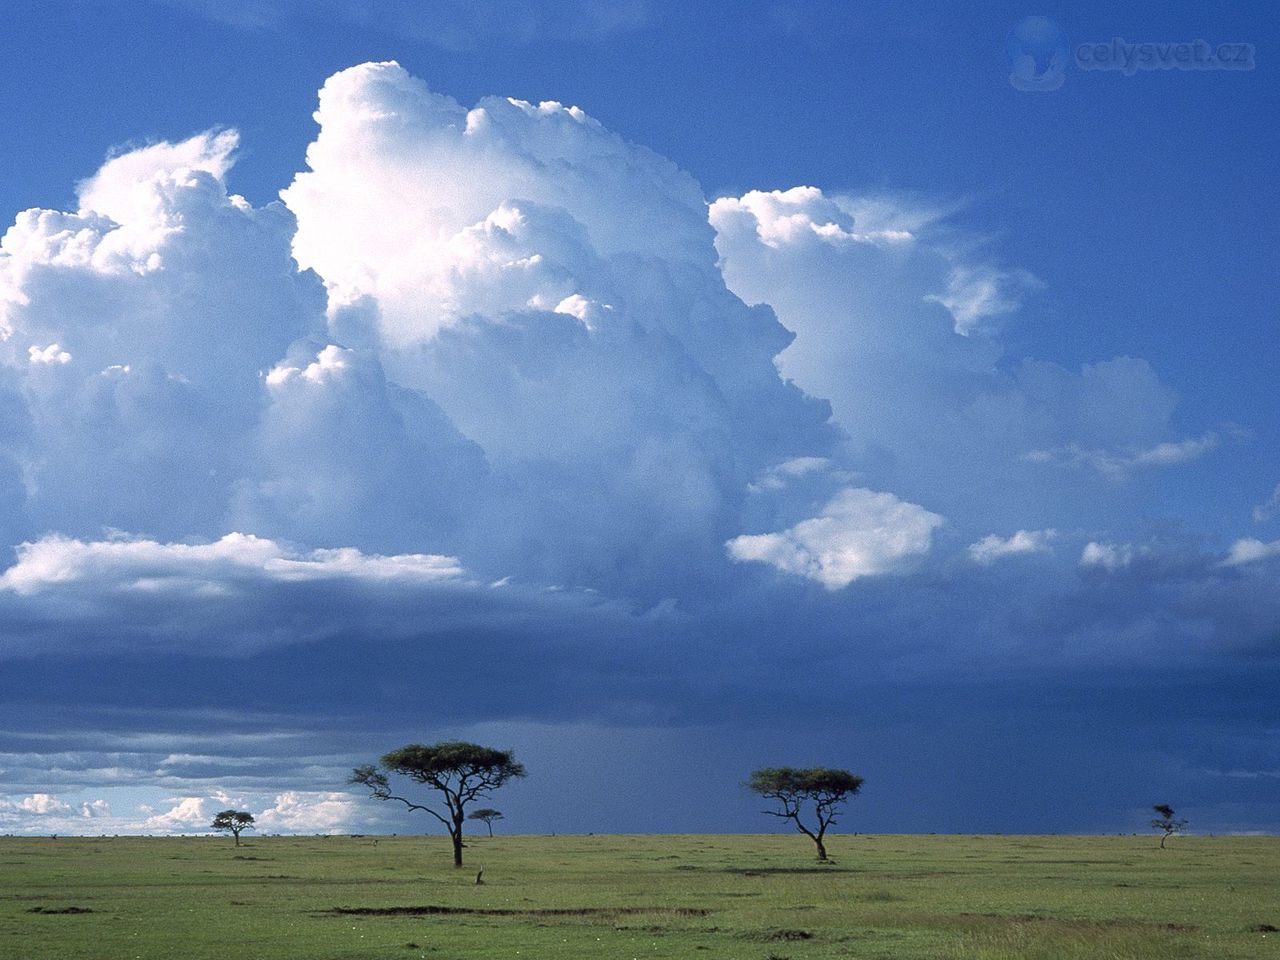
(1269, 508)
(778, 477)
(1122, 464)
(978, 297)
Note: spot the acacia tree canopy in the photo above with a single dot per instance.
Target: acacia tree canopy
(233, 822)
(1167, 822)
(486, 815)
(461, 772)
(825, 788)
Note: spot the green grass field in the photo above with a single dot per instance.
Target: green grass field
(556, 898)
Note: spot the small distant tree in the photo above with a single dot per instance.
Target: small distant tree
(487, 815)
(822, 788)
(232, 822)
(1167, 823)
(460, 772)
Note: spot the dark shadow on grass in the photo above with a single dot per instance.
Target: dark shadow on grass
(1105, 923)
(762, 871)
(435, 909)
(785, 936)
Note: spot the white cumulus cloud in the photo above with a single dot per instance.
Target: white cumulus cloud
(1107, 556)
(798, 216)
(300, 811)
(992, 547)
(95, 809)
(859, 533)
(1250, 550)
(519, 350)
(171, 295)
(151, 566)
(43, 804)
(286, 811)
(528, 279)
(186, 814)
(52, 354)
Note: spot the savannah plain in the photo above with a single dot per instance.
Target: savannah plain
(630, 897)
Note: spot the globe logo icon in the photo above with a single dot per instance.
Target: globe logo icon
(1038, 51)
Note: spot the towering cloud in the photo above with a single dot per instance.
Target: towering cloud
(134, 332)
(525, 353)
(554, 290)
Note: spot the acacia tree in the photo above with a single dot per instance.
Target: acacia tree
(1166, 822)
(232, 822)
(460, 772)
(822, 787)
(486, 815)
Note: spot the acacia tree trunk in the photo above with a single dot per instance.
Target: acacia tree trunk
(456, 834)
(236, 834)
(489, 824)
(815, 837)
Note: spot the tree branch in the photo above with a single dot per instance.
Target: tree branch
(415, 806)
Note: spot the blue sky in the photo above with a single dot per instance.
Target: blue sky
(810, 395)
